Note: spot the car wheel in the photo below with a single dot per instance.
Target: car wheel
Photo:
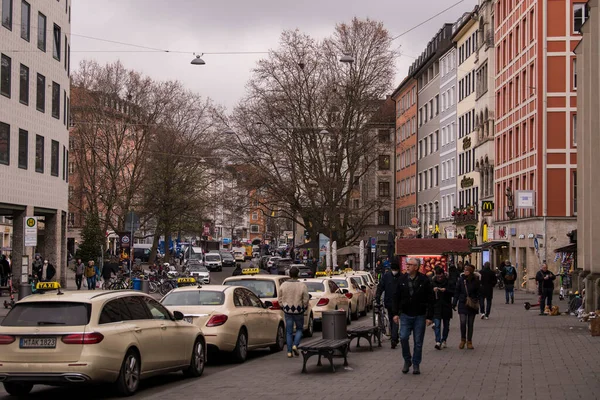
(364, 312)
(349, 316)
(354, 315)
(129, 376)
(240, 353)
(197, 362)
(279, 340)
(18, 389)
(308, 332)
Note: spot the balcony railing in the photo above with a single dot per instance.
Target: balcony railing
(466, 214)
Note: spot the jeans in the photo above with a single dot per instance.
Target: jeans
(546, 299)
(393, 326)
(509, 291)
(91, 282)
(290, 321)
(416, 326)
(441, 334)
(78, 280)
(466, 326)
(485, 305)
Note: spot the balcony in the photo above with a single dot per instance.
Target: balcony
(465, 215)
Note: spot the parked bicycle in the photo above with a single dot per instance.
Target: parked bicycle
(380, 319)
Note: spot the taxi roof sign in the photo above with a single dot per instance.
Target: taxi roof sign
(321, 273)
(250, 271)
(190, 281)
(48, 286)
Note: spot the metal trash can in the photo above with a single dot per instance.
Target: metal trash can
(25, 290)
(146, 286)
(333, 325)
(137, 284)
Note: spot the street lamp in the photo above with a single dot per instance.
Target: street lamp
(198, 60)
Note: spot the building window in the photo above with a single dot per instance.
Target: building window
(67, 162)
(383, 136)
(574, 129)
(39, 154)
(54, 158)
(65, 107)
(4, 143)
(580, 14)
(66, 52)
(574, 192)
(23, 148)
(24, 85)
(55, 100)
(64, 164)
(254, 229)
(254, 216)
(71, 219)
(25, 19)
(7, 14)
(5, 71)
(384, 189)
(57, 42)
(574, 74)
(384, 162)
(41, 32)
(40, 98)
(384, 218)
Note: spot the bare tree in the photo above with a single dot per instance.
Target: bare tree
(302, 130)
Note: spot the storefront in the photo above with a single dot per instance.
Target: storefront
(496, 252)
(566, 257)
(432, 252)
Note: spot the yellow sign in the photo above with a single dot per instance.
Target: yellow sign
(321, 273)
(47, 286)
(487, 207)
(186, 280)
(31, 222)
(250, 271)
(348, 270)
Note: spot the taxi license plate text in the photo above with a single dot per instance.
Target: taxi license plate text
(38, 343)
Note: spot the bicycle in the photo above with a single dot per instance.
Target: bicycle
(381, 320)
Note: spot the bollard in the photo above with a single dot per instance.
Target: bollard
(145, 286)
(24, 290)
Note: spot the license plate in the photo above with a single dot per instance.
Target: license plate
(189, 320)
(38, 343)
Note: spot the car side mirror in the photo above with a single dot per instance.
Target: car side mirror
(267, 304)
(309, 296)
(178, 315)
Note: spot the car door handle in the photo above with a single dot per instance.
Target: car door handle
(163, 327)
(137, 330)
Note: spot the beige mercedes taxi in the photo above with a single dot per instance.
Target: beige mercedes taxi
(118, 337)
(326, 295)
(232, 318)
(266, 287)
(351, 288)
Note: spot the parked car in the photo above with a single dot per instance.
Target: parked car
(199, 272)
(283, 265)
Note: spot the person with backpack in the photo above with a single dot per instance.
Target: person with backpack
(509, 276)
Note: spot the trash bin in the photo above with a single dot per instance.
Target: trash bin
(137, 284)
(333, 325)
(25, 290)
(146, 286)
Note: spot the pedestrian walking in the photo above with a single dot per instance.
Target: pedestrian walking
(79, 268)
(413, 310)
(38, 267)
(467, 298)
(293, 300)
(5, 270)
(387, 286)
(50, 270)
(488, 282)
(545, 281)
(442, 308)
(509, 276)
(90, 274)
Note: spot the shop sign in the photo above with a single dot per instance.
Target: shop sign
(466, 182)
(467, 143)
(487, 208)
(470, 231)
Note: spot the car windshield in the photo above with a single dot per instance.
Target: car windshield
(196, 256)
(197, 268)
(315, 287)
(226, 256)
(212, 257)
(261, 287)
(48, 313)
(341, 283)
(194, 298)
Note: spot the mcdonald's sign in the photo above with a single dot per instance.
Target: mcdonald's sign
(487, 208)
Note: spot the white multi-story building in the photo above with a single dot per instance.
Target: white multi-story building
(34, 140)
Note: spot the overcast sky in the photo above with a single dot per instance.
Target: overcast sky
(231, 26)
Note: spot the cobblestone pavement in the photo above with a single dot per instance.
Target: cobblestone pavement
(518, 355)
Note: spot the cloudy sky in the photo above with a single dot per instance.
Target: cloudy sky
(208, 26)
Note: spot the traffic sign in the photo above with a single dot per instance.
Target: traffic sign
(31, 224)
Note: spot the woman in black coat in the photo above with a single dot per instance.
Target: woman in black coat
(468, 286)
(442, 309)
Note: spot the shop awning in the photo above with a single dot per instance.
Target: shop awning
(432, 247)
(494, 244)
(571, 248)
(349, 250)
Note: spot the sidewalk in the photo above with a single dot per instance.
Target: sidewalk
(518, 355)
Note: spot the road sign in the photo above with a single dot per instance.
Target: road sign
(31, 228)
(132, 222)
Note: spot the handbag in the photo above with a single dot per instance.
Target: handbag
(471, 303)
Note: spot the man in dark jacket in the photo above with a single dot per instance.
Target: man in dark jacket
(413, 309)
(387, 285)
(488, 282)
(509, 276)
(545, 281)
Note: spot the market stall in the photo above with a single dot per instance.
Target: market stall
(432, 252)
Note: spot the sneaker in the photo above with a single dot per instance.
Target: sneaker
(438, 346)
(444, 344)
(394, 344)
(290, 355)
(416, 370)
(482, 316)
(295, 350)
(406, 367)
(486, 317)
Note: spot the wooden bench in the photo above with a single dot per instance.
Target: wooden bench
(324, 348)
(365, 332)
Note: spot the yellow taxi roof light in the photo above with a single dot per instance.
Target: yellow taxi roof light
(43, 286)
(186, 280)
(250, 271)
